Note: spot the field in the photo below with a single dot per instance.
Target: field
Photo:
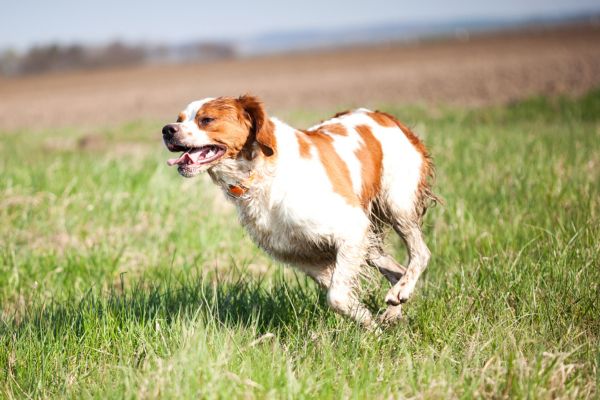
(119, 279)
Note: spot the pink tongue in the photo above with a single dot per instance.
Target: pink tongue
(181, 160)
(188, 158)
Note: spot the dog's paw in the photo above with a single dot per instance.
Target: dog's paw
(398, 294)
(375, 329)
(391, 315)
(395, 297)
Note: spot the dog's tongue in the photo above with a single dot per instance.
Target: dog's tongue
(194, 156)
(184, 159)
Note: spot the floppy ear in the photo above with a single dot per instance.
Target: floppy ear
(261, 126)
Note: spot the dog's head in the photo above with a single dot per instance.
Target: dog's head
(212, 130)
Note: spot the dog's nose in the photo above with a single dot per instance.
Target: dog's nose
(169, 131)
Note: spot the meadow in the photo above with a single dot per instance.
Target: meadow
(120, 279)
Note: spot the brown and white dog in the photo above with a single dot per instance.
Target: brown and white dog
(318, 199)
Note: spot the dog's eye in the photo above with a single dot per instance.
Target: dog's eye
(206, 120)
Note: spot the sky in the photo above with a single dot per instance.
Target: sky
(24, 23)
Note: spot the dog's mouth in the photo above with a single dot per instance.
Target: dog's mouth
(197, 156)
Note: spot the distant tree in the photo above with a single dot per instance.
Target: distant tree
(55, 57)
(9, 62)
(118, 53)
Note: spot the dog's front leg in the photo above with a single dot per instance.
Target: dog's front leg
(342, 296)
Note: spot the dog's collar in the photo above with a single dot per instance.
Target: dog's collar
(236, 191)
(239, 189)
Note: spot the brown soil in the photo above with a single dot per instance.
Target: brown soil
(487, 69)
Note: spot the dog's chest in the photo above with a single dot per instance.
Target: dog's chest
(285, 233)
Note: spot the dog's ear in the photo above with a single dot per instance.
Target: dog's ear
(261, 127)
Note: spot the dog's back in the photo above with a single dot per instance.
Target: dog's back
(372, 159)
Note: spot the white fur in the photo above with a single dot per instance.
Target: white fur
(291, 208)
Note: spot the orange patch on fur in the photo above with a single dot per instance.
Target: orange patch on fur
(181, 117)
(238, 123)
(266, 138)
(262, 128)
(303, 144)
(336, 129)
(382, 119)
(228, 126)
(370, 156)
(336, 169)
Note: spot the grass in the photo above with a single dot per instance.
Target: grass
(118, 279)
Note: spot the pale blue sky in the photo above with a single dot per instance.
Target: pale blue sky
(27, 22)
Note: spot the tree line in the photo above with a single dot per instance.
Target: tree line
(55, 57)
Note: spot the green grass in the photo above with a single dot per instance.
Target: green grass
(119, 279)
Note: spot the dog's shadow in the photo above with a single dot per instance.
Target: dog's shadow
(266, 305)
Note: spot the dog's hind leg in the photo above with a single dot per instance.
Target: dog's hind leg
(321, 274)
(387, 265)
(377, 257)
(393, 271)
(418, 258)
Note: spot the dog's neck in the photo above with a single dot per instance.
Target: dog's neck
(241, 178)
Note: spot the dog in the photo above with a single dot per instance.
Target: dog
(318, 199)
